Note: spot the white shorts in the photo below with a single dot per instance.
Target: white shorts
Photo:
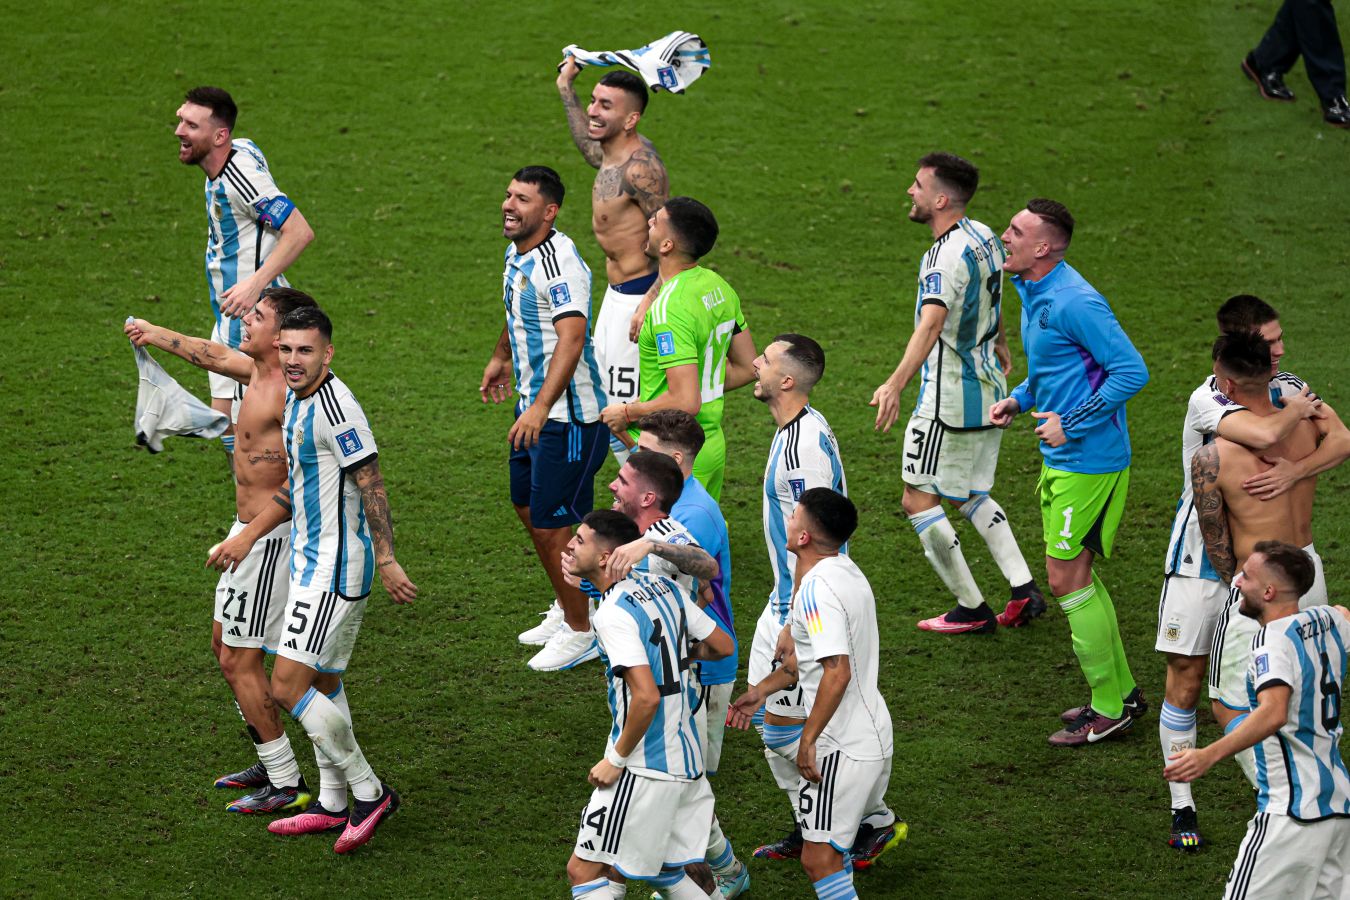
(787, 703)
(1281, 857)
(616, 354)
(711, 720)
(952, 464)
(223, 387)
(1231, 650)
(320, 628)
(251, 600)
(849, 790)
(1188, 612)
(639, 825)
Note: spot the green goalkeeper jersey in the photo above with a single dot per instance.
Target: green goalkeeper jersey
(692, 321)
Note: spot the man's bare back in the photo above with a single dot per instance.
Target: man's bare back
(1232, 520)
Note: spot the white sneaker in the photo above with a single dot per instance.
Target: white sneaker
(538, 635)
(567, 648)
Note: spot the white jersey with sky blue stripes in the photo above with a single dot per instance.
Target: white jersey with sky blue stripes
(1299, 770)
(540, 287)
(244, 213)
(804, 455)
(836, 615)
(1205, 409)
(962, 377)
(650, 621)
(327, 437)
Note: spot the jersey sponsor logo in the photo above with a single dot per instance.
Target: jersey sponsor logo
(349, 442)
(1262, 664)
(1044, 320)
(932, 283)
(798, 487)
(665, 343)
(559, 295)
(667, 76)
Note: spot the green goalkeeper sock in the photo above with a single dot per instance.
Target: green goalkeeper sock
(1123, 676)
(1092, 644)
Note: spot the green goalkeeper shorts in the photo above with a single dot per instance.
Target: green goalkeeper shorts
(1081, 511)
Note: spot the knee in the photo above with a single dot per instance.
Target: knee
(914, 502)
(287, 691)
(234, 662)
(820, 860)
(580, 871)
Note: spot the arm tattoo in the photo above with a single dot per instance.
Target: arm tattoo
(688, 559)
(282, 498)
(1209, 506)
(644, 179)
(375, 502)
(576, 123)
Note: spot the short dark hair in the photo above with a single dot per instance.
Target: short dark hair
(1245, 312)
(548, 181)
(806, 355)
(1293, 562)
(218, 100)
(1054, 214)
(1244, 356)
(286, 300)
(694, 225)
(630, 84)
(612, 528)
(307, 317)
(958, 175)
(661, 473)
(676, 428)
(835, 516)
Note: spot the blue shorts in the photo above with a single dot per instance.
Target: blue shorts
(555, 478)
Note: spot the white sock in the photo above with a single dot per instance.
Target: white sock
(944, 553)
(332, 733)
(991, 521)
(721, 858)
(1176, 732)
(332, 783)
(591, 888)
(618, 890)
(785, 775)
(685, 889)
(279, 761)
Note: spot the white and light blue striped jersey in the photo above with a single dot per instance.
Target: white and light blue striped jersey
(836, 615)
(962, 378)
(1299, 769)
(650, 621)
(244, 213)
(540, 287)
(327, 436)
(804, 455)
(1205, 409)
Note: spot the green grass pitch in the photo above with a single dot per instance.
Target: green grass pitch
(395, 127)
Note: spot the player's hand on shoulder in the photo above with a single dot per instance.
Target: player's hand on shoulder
(887, 401)
(396, 582)
(622, 559)
(1305, 401)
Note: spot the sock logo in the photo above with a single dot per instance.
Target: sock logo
(999, 517)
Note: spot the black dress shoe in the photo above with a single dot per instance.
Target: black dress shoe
(1270, 84)
(1337, 112)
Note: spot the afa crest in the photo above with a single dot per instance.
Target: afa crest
(1044, 320)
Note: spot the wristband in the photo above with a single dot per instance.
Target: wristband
(614, 759)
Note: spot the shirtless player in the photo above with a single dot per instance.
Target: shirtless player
(1233, 521)
(629, 188)
(251, 594)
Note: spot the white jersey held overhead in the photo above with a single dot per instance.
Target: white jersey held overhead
(670, 63)
(165, 408)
